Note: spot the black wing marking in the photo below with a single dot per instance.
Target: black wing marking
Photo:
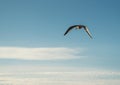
(88, 32)
(69, 29)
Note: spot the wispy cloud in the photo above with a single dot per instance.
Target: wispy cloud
(39, 53)
(77, 77)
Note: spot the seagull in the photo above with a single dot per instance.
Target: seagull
(78, 27)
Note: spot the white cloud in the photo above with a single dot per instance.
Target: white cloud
(39, 53)
(54, 75)
(48, 81)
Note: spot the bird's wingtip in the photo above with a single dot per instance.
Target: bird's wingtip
(64, 34)
(91, 37)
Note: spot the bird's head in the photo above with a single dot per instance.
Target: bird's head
(77, 27)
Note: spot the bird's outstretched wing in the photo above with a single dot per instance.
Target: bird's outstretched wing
(88, 32)
(71, 27)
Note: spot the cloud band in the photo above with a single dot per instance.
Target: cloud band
(39, 53)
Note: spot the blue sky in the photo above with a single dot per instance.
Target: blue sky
(31, 34)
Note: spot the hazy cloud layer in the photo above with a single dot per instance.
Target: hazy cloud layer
(39, 53)
(63, 77)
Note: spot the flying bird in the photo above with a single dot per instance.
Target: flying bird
(78, 27)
